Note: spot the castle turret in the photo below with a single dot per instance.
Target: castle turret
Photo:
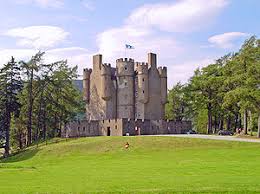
(163, 77)
(152, 61)
(142, 76)
(105, 81)
(97, 62)
(125, 87)
(86, 84)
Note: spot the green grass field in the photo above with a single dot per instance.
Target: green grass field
(150, 165)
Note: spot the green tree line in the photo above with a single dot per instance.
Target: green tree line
(36, 101)
(223, 95)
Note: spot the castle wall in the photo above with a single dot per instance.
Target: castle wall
(111, 127)
(153, 127)
(82, 128)
(120, 127)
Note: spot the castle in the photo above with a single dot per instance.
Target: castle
(131, 90)
(128, 99)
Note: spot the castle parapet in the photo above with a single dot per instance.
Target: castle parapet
(163, 76)
(125, 60)
(125, 67)
(142, 77)
(106, 69)
(106, 81)
(162, 72)
(141, 67)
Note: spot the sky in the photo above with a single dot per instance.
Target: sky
(185, 34)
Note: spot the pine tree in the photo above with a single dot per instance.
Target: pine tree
(11, 84)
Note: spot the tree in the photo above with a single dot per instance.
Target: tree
(205, 86)
(11, 84)
(30, 68)
(175, 109)
(242, 80)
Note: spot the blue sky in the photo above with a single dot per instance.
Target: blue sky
(186, 34)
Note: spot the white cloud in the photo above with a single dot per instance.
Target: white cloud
(38, 37)
(185, 70)
(144, 30)
(43, 3)
(112, 42)
(21, 54)
(75, 56)
(180, 16)
(88, 4)
(226, 40)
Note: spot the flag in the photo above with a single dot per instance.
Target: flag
(128, 46)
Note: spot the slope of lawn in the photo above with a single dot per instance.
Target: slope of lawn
(150, 165)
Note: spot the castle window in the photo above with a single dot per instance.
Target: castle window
(143, 91)
(143, 79)
(125, 83)
(116, 127)
(78, 128)
(125, 68)
(84, 128)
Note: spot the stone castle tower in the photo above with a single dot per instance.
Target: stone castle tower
(131, 90)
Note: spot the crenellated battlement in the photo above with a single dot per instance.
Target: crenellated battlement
(125, 60)
(106, 69)
(125, 67)
(86, 73)
(162, 71)
(141, 67)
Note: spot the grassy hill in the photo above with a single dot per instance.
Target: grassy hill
(150, 165)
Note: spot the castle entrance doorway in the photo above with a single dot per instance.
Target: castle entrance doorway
(108, 131)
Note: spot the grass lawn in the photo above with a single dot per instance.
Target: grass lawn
(150, 165)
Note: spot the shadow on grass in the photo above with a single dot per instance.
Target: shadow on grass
(20, 156)
(32, 150)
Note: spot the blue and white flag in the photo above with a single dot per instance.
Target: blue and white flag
(128, 46)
